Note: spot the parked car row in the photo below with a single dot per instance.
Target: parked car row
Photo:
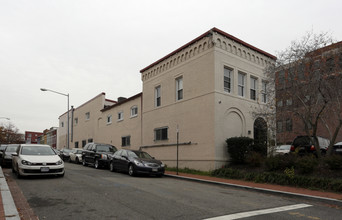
(130, 161)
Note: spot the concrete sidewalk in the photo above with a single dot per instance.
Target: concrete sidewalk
(8, 210)
(327, 197)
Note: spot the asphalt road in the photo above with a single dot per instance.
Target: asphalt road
(87, 193)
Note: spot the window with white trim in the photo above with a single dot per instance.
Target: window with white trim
(253, 89)
(87, 115)
(120, 116)
(134, 111)
(241, 84)
(179, 88)
(76, 121)
(109, 119)
(227, 79)
(157, 96)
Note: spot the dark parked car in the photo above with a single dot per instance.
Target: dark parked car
(303, 145)
(97, 155)
(136, 162)
(2, 149)
(7, 155)
(64, 154)
(337, 148)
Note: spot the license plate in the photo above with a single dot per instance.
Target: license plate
(44, 169)
(155, 169)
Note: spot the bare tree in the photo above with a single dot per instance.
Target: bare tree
(307, 78)
(9, 134)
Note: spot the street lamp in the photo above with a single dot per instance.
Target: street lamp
(67, 95)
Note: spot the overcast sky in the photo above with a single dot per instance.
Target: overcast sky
(85, 47)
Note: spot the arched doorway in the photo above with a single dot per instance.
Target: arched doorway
(260, 135)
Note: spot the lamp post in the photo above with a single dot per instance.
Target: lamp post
(67, 95)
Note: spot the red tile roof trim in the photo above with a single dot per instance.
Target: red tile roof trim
(204, 35)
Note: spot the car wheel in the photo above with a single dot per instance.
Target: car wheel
(17, 172)
(131, 170)
(77, 161)
(97, 165)
(84, 163)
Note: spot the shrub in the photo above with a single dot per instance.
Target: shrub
(334, 162)
(238, 147)
(254, 159)
(280, 162)
(306, 164)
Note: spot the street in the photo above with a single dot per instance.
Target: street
(87, 193)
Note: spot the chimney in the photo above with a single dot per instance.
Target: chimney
(120, 99)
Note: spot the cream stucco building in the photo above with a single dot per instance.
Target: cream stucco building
(204, 92)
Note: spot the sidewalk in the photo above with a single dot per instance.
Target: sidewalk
(327, 197)
(8, 210)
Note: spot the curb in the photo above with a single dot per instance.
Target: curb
(269, 191)
(10, 210)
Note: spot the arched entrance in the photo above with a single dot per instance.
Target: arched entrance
(260, 135)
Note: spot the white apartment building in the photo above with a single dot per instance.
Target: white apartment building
(204, 91)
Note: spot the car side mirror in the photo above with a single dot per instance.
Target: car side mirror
(14, 154)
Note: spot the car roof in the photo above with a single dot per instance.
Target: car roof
(338, 143)
(31, 145)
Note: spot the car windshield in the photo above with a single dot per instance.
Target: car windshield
(11, 148)
(78, 152)
(66, 150)
(139, 154)
(284, 147)
(105, 148)
(37, 150)
(305, 140)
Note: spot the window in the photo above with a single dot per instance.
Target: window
(280, 103)
(87, 115)
(179, 88)
(76, 144)
(120, 116)
(253, 88)
(76, 121)
(109, 119)
(90, 140)
(157, 95)
(279, 126)
(126, 141)
(288, 125)
(227, 79)
(84, 142)
(134, 111)
(241, 84)
(160, 134)
(264, 92)
(289, 102)
(62, 124)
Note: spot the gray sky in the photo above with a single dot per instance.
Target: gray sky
(85, 47)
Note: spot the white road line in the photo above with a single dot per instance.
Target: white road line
(260, 212)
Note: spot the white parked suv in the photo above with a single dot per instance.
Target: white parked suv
(36, 159)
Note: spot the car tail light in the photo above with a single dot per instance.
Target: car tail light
(292, 148)
(312, 147)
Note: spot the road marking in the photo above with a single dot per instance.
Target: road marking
(260, 212)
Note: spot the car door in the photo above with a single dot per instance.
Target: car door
(124, 160)
(92, 153)
(87, 153)
(116, 160)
